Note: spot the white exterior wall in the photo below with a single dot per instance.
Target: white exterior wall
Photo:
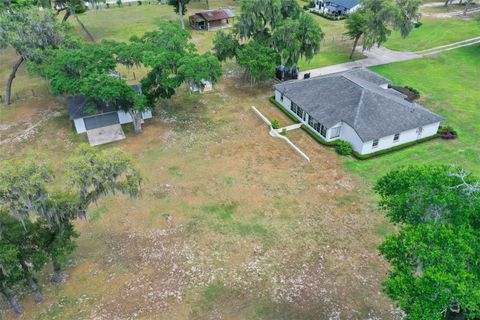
(405, 136)
(79, 125)
(347, 133)
(125, 117)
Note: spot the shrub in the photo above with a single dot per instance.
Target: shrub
(139, 2)
(328, 16)
(119, 3)
(418, 24)
(283, 132)
(108, 5)
(275, 124)
(447, 132)
(343, 148)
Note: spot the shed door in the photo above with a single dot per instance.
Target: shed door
(101, 120)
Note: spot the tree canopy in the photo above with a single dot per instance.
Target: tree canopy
(36, 218)
(434, 258)
(376, 19)
(30, 32)
(257, 60)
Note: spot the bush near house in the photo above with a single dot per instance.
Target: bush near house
(343, 148)
(329, 16)
(447, 132)
(334, 143)
(275, 124)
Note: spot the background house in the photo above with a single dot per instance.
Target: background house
(212, 19)
(336, 7)
(101, 121)
(357, 106)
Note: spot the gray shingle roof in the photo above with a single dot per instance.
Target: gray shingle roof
(355, 97)
(344, 3)
(81, 106)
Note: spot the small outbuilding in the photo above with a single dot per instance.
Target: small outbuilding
(357, 106)
(212, 19)
(100, 120)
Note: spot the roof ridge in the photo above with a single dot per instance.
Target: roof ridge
(359, 105)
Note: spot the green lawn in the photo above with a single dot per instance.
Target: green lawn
(435, 32)
(335, 47)
(449, 85)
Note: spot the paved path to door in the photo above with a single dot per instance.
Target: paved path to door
(377, 56)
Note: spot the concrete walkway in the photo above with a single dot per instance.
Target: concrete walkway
(377, 56)
(276, 133)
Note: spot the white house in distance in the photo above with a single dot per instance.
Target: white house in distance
(101, 122)
(337, 7)
(357, 106)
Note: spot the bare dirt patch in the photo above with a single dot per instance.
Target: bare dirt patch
(232, 224)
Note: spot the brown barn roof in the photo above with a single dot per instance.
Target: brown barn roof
(214, 15)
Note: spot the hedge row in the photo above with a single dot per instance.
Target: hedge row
(393, 149)
(279, 106)
(328, 16)
(357, 155)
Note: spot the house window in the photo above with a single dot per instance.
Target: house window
(375, 143)
(320, 128)
(335, 132)
(281, 97)
(396, 137)
(298, 111)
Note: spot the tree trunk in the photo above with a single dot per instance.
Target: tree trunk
(57, 276)
(34, 286)
(8, 92)
(83, 26)
(11, 299)
(355, 45)
(66, 16)
(208, 6)
(180, 14)
(466, 7)
(31, 281)
(446, 3)
(137, 121)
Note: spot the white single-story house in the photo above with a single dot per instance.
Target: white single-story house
(102, 122)
(359, 107)
(337, 7)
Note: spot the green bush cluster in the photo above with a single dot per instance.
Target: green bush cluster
(447, 132)
(329, 16)
(275, 124)
(343, 148)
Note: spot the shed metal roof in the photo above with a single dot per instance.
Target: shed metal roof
(214, 15)
(82, 106)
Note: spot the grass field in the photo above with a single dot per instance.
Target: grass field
(449, 85)
(435, 32)
(257, 233)
(121, 23)
(335, 47)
